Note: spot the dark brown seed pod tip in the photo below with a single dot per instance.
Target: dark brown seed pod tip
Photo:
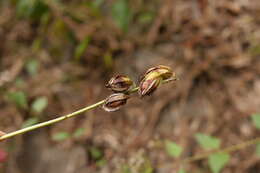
(115, 101)
(119, 83)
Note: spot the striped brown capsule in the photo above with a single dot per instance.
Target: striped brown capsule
(153, 78)
(149, 83)
(115, 101)
(119, 83)
(164, 71)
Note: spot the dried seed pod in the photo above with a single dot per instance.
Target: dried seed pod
(119, 83)
(115, 101)
(164, 71)
(153, 78)
(149, 83)
(147, 87)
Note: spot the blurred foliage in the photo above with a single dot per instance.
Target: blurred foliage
(181, 171)
(258, 149)
(207, 142)
(39, 104)
(32, 66)
(30, 122)
(78, 132)
(60, 136)
(218, 161)
(256, 120)
(81, 48)
(173, 149)
(95, 153)
(33, 9)
(122, 14)
(19, 98)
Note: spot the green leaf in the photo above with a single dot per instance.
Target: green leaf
(81, 48)
(19, 82)
(108, 60)
(61, 136)
(39, 104)
(258, 149)
(256, 120)
(32, 66)
(19, 98)
(146, 168)
(32, 9)
(121, 14)
(145, 17)
(126, 169)
(173, 149)
(181, 170)
(95, 153)
(101, 162)
(97, 3)
(218, 161)
(29, 122)
(207, 142)
(79, 132)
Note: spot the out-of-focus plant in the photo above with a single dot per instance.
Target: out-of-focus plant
(33, 9)
(122, 14)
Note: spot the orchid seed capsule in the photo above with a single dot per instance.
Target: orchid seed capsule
(119, 83)
(115, 101)
(164, 71)
(153, 78)
(147, 87)
(149, 83)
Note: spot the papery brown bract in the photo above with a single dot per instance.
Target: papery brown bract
(115, 101)
(119, 83)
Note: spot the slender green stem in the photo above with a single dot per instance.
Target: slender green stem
(46, 123)
(56, 120)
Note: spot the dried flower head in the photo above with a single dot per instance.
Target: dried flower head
(119, 83)
(164, 71)
(115, 101)
(147, 87)
(153, 78)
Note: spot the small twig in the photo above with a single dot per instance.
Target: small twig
(223, 150)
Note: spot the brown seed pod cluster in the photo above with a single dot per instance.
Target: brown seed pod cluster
(122, 86)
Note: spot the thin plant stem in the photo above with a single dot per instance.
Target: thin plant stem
(230, 149)
(59, 119)
(53, 121)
